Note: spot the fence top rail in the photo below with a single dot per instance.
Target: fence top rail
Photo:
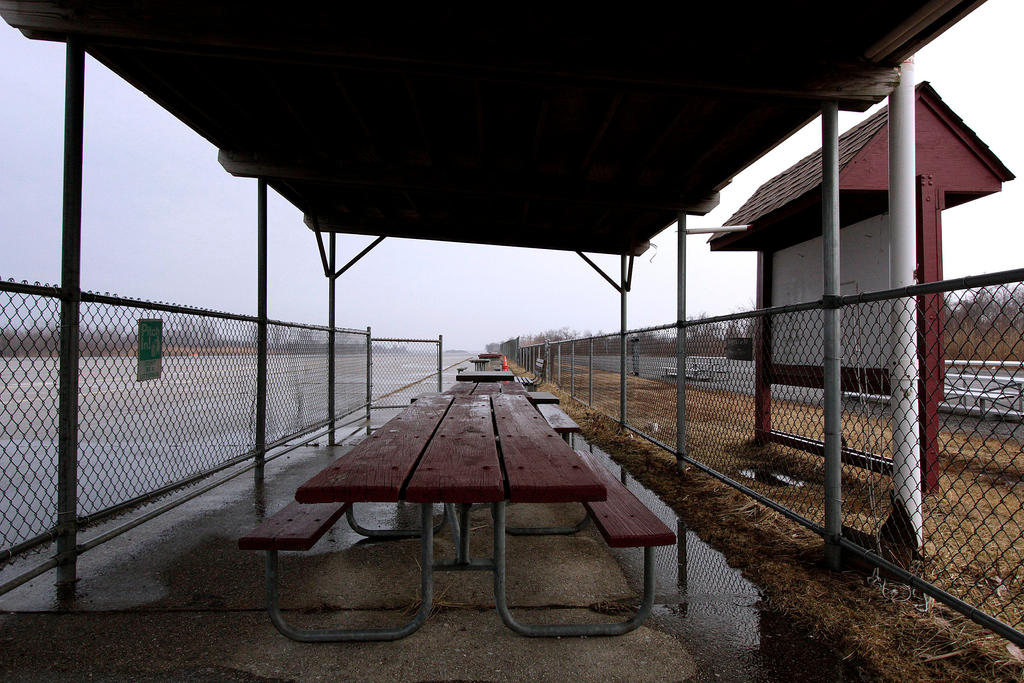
(392, 339)
(319, 328)
(972, 282)
(24, 287)
(1002, 277)
(54, 291)
(113, 300)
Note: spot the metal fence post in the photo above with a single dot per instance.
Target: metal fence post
(681, 341)
(559, 365)
(590, 375)
(440, 363)
(369, 376)
(622, 342)
(330, 345)
(261, 327)
(572, 369)
(71, 293)
(831, 351)
(547, 361)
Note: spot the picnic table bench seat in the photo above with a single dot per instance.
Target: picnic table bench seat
(294, 527)
(531, 383)
(623, 519)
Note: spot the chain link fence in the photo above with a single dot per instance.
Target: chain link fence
(404, 369)
(138, 439)
(29, 348)
(932, 386)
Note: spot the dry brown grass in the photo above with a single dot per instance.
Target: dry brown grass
(973, 524)
(890, 640)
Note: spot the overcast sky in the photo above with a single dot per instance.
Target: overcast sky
(163, 221)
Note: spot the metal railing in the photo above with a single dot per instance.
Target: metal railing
(137, 440)
(931, 443)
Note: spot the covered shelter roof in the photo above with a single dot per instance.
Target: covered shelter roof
(527, 126)
(786, 209)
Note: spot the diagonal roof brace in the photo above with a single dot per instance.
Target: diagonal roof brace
(323, 253)
(613, 283)
(360, 255)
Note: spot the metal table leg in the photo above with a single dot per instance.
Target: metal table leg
(549, 530)
(549, 630)
(336, 635)
(391, 533)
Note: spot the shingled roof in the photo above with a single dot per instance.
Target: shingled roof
(783, 210)
(805, 175)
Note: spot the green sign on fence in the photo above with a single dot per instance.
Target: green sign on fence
(151, 346)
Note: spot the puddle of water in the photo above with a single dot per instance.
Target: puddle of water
(717, 613)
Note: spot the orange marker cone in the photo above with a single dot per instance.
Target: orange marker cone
(504, 363)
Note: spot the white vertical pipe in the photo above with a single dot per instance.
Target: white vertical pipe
(832, 351)
(902, 263)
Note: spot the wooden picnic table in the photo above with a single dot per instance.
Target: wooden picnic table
(464, 437)
(477, 443)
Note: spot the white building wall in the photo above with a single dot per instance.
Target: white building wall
(797, 277)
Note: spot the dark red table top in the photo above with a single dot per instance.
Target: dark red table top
(460, 447)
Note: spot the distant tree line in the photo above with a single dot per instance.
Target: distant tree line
(985, 324)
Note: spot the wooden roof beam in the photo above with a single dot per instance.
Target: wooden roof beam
(474, 182)
(503, 234)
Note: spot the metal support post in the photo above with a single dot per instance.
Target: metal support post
(622, 342)
(831, 351)
(903, 363)
(369, 376)
(681, 341)
(559, 365)
(330, 346)
(590, 375)
(71, 293)
(547, 361)
(440, 363)
(572, 369)
(261, 331)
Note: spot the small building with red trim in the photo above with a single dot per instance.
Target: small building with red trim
(953, 167)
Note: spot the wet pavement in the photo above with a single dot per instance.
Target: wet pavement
(719, 614)
(174, 599)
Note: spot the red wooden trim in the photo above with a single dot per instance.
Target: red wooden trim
(377, 467)
(294, 527)
(762, 349)
(867, 380)
(958, 128)
(539, 466)
(931, 328)
(623, 520)
(461, 463)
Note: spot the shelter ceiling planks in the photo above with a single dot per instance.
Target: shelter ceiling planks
(539, 127)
